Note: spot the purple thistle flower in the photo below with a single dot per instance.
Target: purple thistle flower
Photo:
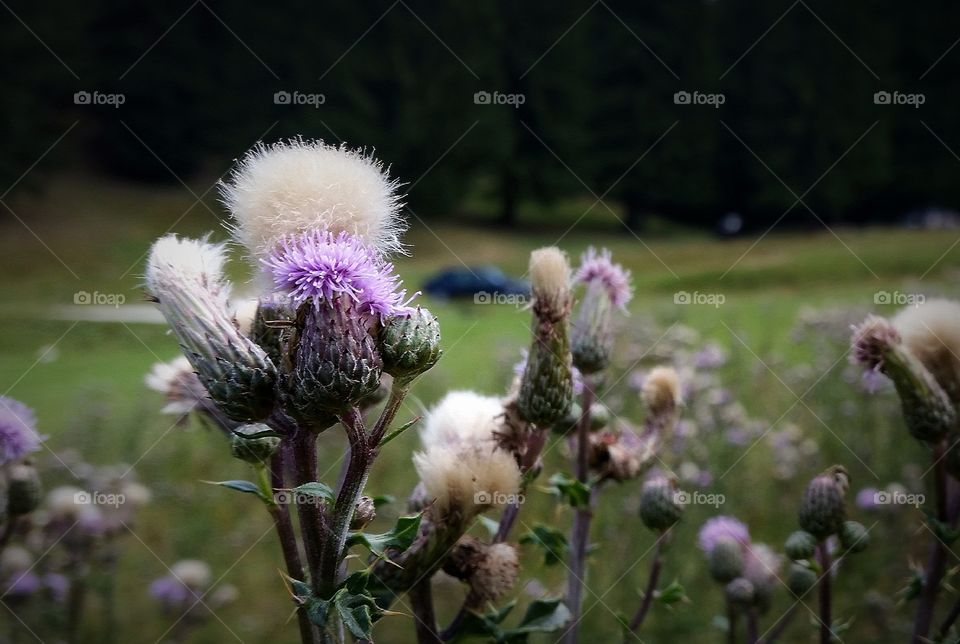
(599, 267)
(867, 498)
(722, 527)
(22, 584)
(318, 265)
(18, 430)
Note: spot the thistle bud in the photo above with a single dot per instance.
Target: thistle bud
(364, 513)
(854, 536)
(410, 344)
(253, 450)
(546, 387)
(800, 545)
(740, 592)
(185, 279)
(23, 490)
(607, 286)
(660, 506)
(661, 395)
(800, 579)
(725, 560)
(927, 409)
(823, 509)
(272, 325)
(332, 359)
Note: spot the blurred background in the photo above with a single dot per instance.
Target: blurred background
(769, 171)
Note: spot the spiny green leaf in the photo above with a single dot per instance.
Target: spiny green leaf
(575, 492)
(553, 542)
(241, 486)
(671, 594)
(315, 489)
(401, 536)
(544, 616)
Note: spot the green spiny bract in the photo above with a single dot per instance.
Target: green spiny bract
(823, 509)
(332, 362)
(854, 536)
(725, 561)
(546, 389)
(740, 592)
(659, 506)
(255, 450)
(800, 545)
(272, 325)
(592, 340)
(800, 579)
(410, 344)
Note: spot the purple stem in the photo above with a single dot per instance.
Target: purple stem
(826, 616)
(752, 626)
(312, 530)
(580, 535)
(936, 562)
(655, 567)
(425, 621)
(731, 623)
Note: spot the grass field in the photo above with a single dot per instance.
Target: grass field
(85, 379)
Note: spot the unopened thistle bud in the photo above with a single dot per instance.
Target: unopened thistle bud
(660, 506)
(800, 545)
(607, 286)
(823, 509)
(740, 592)
(410, 344)
(272, 325)
(854, 536)
(365, 512)
(185, 278)
(253, 450)
(725, 560)
(332, 363)
(927, 408)
(23, 490)
(546, 388)
(800, 579)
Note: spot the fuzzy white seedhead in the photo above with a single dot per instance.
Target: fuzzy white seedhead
(244, 315)
(661, 390)
(496, 572)
(281, 190)
(467, 479)
(931, 332)
(177, 263)
(462, 418)
(550, 276)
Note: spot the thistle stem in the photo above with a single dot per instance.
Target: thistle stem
(731, 623)
(826, 617)
(936, 562)
(358, 469)
(580, 535)
(752, 626)
(655, 567)
(425, 620)
(312, 529)
(288, 541)
(398, 391)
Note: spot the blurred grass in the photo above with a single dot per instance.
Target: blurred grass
(86, 382)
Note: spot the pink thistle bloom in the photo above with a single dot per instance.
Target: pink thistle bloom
(18, 430)
(598, 267)
(722, 527)
(319, 265)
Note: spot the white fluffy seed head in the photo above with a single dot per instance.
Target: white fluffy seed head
(661, 390)
(460, 418)
(550, 276)
(178, 382)
(192, 573)
(496, 572)
(467, 479)
(294, 186)
(245, 314)
(931, 332)
(177, 263)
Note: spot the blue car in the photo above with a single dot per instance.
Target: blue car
(467, 282)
